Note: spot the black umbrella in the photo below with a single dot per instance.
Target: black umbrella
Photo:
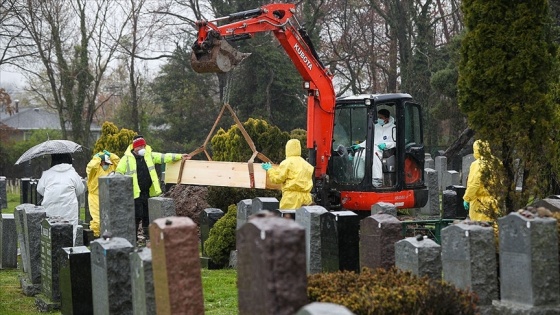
(49, 147)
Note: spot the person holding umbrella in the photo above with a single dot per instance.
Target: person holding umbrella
(60, 187)
(102, 164)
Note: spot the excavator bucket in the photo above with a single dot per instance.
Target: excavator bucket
(221, 57)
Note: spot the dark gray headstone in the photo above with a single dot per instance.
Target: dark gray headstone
(28, 191)
(460, 211)
(468, 259)
(432, 206)
(160, 207)
(75, 281)
(449, 204)
(143, 297)
(378, 234)
(340, 241)
(271, 267)
(32, 220)
(116, 207)
(310, 218)
(384, 207)
(529, 260)
(3, 193)
(56, 233)
(8, 242)
(320, 308)
(421, 257)
(18, 217)
(79, 241)
(208, 217)
(265, 203)
(244, 211)
(110, 274)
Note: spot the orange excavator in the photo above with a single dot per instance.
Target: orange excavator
(351, 172)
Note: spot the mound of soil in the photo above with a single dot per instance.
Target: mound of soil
(190, 201)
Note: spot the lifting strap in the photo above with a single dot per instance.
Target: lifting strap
(250, 142)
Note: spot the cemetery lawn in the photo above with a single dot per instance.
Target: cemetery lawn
(219, 286)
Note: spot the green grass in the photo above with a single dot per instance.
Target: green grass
(219, 287)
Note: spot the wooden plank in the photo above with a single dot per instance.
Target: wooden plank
(213, 173)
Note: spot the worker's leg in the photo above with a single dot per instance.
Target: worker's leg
(93, 204)
(376, 169)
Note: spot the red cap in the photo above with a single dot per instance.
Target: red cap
(138, 143)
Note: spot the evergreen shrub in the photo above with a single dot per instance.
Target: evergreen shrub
(221, 240)
(391, 291)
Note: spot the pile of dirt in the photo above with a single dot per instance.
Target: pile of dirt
(190, 201)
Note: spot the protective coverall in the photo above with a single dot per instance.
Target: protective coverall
(479, 199)
(383, 134)
(296, 176)
(60, 187)
(94, 171)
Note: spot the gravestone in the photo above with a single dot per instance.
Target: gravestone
(264, 203)
(421, 256)
(529, 275)
(449, 204)
(460, 211)
(79, 241)
(8, 242)
(110, 274)
(56, 233)
(340, 241)
(466, 166)
(75, 281)
(432, 206)
(32, 220)
(28, 191)
(3, 194)
(468, 260)
(18, 218)
(87, 214)
(450, 178)
(208, 217)
(160, 207)
(384, 207)
(285, 213)
(378, 234)
(310, 218)
(429, 161)
(116, 207)
(244, 211)
(176, 266)
(143, 297)
(321, 308)
(552, 204)
(271, 271)
(440, 167)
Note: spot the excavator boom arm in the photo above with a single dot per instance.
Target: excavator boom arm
(213, 53)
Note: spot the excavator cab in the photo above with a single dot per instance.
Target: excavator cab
(360, 169)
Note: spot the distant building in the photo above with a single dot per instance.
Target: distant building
(26, 120)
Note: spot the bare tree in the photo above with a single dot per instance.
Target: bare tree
(69, 39)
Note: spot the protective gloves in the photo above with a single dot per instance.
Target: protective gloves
(382, 146)
(266, 166)
(466, 205)
(99, 154)
(355, 147)
(107, 152)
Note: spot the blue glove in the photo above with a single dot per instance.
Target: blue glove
(355, 147)
(266, 166)
(382, 146)
(98, 155)
(107, 152)
(466, 205)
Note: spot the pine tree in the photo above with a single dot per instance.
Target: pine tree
(507, 72)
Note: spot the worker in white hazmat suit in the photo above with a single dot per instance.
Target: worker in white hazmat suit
(382, 141)
(60, 187)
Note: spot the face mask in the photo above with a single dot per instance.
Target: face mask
(381, 121)
(141, 152)
(105, 167)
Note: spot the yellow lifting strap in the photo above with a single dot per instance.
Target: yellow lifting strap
(250, 142)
